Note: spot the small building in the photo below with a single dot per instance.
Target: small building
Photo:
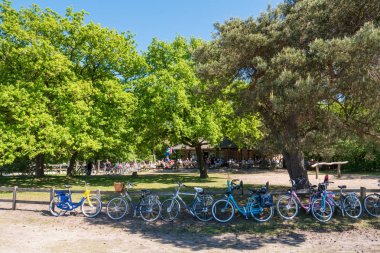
(226, 150)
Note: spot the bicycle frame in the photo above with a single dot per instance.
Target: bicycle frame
(177, 197)
(241, 209)
(329, 196)
(306, 207)
(127, 196)
(69, 205)
(135, 206)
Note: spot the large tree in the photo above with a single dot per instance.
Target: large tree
(71, 79)
(172, 105)
(32, 75)
(310, 69)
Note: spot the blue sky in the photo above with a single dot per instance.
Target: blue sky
(163, 19)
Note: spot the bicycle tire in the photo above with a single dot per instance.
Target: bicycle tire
(203, 208)
(372, 204)
(93, 209)
(170, 209)
(286, 203)
(220, 207)
(150, 209)
(265, 215)
(321, 215)
(53, 207)
(352, 206)
(117, 208)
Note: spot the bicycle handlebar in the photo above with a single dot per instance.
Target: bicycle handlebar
(328, 182)
(129, 184)
(180, 184)
(235, 186)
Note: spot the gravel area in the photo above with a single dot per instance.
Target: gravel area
(37, 231)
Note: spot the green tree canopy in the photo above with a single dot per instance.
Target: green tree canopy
(311, 71)
(173, 106)
(63, 87)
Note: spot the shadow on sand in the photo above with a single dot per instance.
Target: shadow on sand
(240, 234)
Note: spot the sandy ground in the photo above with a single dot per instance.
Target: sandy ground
(37, 231)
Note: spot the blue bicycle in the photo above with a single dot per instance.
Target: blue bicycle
(259, 204)
(323, 207)
(62, 202)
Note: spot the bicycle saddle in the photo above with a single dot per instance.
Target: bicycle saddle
(199, 190)
(342, 186)
(145, 192)
(67, 186)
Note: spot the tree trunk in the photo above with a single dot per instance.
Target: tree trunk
(40, 165)
(89, 168)
(154, 155)
(294, 161)
(200, 161)
(73, 159)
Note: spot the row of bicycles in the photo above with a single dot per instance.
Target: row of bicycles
(259, 204)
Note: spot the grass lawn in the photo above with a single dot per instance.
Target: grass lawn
(161, 182)
(155, 181)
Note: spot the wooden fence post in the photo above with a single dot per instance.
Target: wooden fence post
(51, 194)
(14, 198)
(363, 192)
(338, 170)
(316, 171)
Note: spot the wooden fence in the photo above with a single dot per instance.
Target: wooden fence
(362, 191)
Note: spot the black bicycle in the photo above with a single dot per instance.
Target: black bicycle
(149, 206)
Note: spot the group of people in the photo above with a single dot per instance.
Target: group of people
(122, 167)
(118, 167)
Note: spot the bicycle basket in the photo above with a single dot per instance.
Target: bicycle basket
(119, 187)
(266, 200)
(62, 195)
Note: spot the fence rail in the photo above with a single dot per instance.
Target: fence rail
(362, 190)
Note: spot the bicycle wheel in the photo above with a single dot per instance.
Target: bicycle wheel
(117, 208)
(287, 207)
(150, 209)
(170, 209)
(372, 204)
(321, 212)
(54, 209)
(352, 206)
(223, 210)
(265, 215)
(202, 208)
(91, 206)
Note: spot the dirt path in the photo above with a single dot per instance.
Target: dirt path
(37, 231)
